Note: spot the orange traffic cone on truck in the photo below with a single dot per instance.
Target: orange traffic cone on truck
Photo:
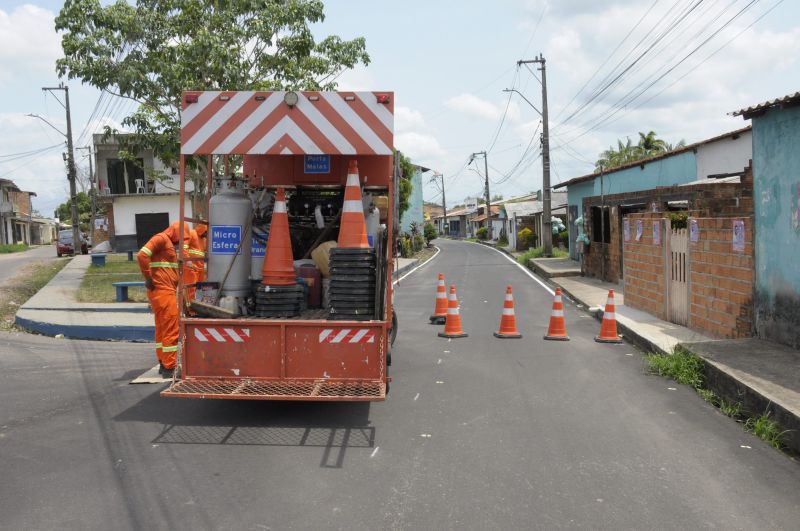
(608, 328)
(278, 267)
(353, 227)
(508, 321)
(440, 311)
(452, 325)
(557, 331)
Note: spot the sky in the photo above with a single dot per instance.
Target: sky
(614, 68)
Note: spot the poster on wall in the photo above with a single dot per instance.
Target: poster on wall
(626, 229)
(795, 195)
(738, 235)
(694, 231)
(656, 232)
(639, 230)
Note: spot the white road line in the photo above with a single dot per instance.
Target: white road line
(524, 269)
(375, 451)
(428, 261)
(417, 396)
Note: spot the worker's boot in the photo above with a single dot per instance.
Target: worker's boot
(163, 371)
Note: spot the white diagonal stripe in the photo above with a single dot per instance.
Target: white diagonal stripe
(341, 335)
(216, 335)
(286, 151)
(331, 133)
(361, 333)
(246, 332)
(371, 337)
(234, 335)
(285, 127)
(354, 120)
(324, 334)
(216, 121)
(380, 110)
(193, 109)
(199, 335)
(249, 124)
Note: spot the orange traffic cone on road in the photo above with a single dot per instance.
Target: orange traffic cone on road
(508, 321)
(440, 311)
(353, 228)
(608, 329)
(557, 331)
(278, 267)
(452, 325)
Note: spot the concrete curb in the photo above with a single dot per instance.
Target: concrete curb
(403, 269)
(102, 333)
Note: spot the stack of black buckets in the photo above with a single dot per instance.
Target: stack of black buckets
(279, 301)
(352, 290)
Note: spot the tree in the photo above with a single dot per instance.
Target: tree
(405, 185)
(497, 197)
(649, 145)
(84, 210)
(152, 51)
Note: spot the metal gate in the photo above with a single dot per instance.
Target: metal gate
(677, 268)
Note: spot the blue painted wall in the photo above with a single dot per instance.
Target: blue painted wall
(677, 169)
(415, 211)
(776, 176)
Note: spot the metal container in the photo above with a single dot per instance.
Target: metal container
(231, 214)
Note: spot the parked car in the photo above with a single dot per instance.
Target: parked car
(64, 244)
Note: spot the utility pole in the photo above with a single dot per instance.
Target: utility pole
(547, 237)
(76, 239)
(91, 193)
(444, 204)
(488, 203)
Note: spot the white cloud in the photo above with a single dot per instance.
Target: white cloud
(476, 107)
(28, 42)
(420, 147)
(406, 119)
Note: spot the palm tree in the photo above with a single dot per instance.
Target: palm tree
(650, 144)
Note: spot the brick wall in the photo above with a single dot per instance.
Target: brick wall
(721, 280)
(644, 266)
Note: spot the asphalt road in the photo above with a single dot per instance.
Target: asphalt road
(478, 433)
(12, 263)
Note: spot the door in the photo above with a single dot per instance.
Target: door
(677, 265)
(148, 225)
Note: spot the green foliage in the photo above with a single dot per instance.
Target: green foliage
(12, 248)
(538, 252)
(482, 233)
(525, 238)
(649, 145)
(406, 249)
(682, 366)
(405, 186)
(64, 211)
(429, 231)
(502, 241)
(418, 242)
(765, 429)
(497, 197)
(152, 50)
(678, 220)
(562, 239)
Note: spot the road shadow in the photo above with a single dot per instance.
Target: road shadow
(333, 426)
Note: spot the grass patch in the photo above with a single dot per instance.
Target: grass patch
(538, 252)
(765, 429)
(12, 248)
(473, 240)
(19, 289)
(682, 366)
(96, 285)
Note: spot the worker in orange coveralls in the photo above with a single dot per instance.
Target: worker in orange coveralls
(194, 270)
(158, 262)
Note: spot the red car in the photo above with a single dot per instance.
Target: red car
(64, 243)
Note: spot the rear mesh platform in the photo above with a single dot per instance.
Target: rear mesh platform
(321, 390)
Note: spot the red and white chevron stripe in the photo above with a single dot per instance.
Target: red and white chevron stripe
(222, 335)
(261, 123)
(347, 335)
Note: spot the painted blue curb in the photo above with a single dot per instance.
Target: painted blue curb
(103, 333)
(111, 310)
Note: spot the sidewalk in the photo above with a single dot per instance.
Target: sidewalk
(761, 375)
(54, 310)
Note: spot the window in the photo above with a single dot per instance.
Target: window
(118, 169)
(597, 228)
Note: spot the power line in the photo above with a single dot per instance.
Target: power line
(23, 154)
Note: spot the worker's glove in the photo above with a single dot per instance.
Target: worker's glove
(148, 283)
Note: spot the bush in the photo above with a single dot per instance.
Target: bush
(482, 233)
(429, 233)
(418, 242)
(405, 247)
(678, 220)
(562, 239)
(502, 241)
(525, 239)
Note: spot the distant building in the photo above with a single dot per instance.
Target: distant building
(776, 190)
(414, 213)
(140, 197)
(16, 211)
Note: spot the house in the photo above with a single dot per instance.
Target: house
(527, 211)
(776, 181)
(478, 219)
(456, 223)
(140, 196)
(603, 199)
(431, 210)
(44, 231)
(16, 211)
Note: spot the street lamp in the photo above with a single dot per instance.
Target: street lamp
(48, 123)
